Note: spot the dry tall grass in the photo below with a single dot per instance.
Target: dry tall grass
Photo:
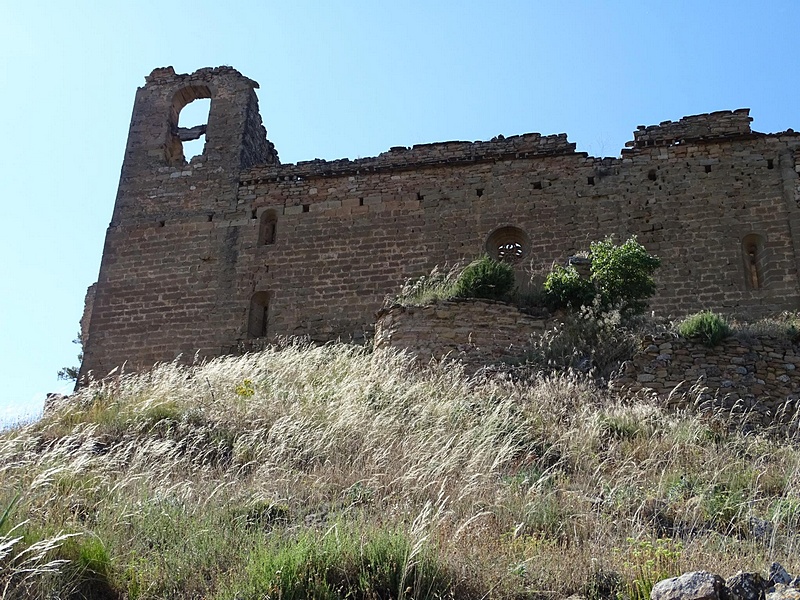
(330, 471)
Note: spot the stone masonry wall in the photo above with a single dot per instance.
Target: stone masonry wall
(474, 332)
(232, 248)
(349, 232)
(717, 125)
(759, 376)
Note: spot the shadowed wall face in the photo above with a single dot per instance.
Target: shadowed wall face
(228, 251)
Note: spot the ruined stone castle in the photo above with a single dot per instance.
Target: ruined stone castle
(232, 248)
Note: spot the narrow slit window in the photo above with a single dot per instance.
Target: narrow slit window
(754, 261)
(258, 316)
(267, 228)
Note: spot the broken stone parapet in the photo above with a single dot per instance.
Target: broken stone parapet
(528, 145)
(715, 125)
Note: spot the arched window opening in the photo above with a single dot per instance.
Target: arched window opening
(509, 244)
(193, 121)
(267, 228)
(188, 121)
(258, 318)
(754, 261)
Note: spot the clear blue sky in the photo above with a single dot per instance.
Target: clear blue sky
(338, 79)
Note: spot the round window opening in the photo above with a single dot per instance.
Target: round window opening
(509, 244)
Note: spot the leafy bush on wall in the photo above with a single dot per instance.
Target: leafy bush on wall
(621, 276)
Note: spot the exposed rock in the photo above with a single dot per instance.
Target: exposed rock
(697, 585)
(783, 592)
(761, 529)
(746, 586)
(702, 585)
(777, 574)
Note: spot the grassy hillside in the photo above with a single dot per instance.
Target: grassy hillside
(332, 472)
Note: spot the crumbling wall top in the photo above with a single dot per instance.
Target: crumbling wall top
(167, 75)
(719, 124)
(421, 155)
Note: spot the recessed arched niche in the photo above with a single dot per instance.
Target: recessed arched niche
(267, 228)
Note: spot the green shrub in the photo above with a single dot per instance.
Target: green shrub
(482, 278)
(565, 288)
(621, 277)
(343, 563)
(708, 326)
(485, 278)
(648, 563)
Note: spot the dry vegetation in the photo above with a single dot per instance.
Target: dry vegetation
(332, 472)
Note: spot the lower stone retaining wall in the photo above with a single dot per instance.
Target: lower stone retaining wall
(756, 377)
(476, 332)
(759, 376)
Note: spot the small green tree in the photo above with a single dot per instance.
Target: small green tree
(621, 277)
(71, 373)
(565, 288)
(623, 274)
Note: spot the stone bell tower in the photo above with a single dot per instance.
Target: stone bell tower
(170, 250)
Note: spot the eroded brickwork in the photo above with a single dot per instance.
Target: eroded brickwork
(218, 254)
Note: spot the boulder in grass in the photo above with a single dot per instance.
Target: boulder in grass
(746, 586)
(783, 592)
(697, 585)
(777, 574)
